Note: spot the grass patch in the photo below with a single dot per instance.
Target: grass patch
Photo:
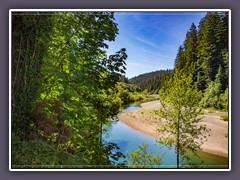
(206, 110)
(224, 117)
(202, 112)
(152, 96)
(210, 111)
(213, 110)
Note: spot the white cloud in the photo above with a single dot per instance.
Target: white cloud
(147, 42)
(156, 54)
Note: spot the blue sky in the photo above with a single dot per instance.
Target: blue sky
(151, 38)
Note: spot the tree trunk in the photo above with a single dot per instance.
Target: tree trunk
(178, 144)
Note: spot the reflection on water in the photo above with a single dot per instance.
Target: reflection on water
(128, 139)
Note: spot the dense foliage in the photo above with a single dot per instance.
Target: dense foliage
(128, 93)
(204, 55)
(62, 88)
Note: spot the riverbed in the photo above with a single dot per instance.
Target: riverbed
(128, 139)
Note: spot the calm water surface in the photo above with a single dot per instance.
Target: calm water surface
(128, 139)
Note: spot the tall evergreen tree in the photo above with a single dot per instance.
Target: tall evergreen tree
(190, 46)
(212, 46)
(222, 31)
(207, 48)
(180, 59)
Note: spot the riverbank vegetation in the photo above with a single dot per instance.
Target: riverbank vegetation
(129, 93)
(199, 80)
(144, 158)
(63, 89)
(200, 77)
(180, 118)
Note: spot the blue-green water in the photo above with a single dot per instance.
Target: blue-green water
(128, 139)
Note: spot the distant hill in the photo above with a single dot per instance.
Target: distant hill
(150, 81)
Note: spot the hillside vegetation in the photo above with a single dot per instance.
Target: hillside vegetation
(150, 82)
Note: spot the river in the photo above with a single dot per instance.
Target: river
(128, 139)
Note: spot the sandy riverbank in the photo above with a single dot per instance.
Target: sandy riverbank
(146, 121)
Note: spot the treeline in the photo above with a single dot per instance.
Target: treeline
(150, 82)
(128, 93)
(63, 89)
(204, 56)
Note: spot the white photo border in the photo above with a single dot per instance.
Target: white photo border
(122, 10)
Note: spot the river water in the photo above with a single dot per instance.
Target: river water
(128, 139)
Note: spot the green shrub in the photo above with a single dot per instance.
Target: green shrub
(144, 158)
(224, 117)
(224, 99)
(214, 98)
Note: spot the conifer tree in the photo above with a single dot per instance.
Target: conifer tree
(207, 48)
(180, 59)
(190, 45)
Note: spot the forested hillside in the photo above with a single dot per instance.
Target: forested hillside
(151, 82)
(204, 56)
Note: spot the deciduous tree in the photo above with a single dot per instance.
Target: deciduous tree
(179, 110)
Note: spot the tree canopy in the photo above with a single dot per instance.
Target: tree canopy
(204, 55)
(61, 86)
